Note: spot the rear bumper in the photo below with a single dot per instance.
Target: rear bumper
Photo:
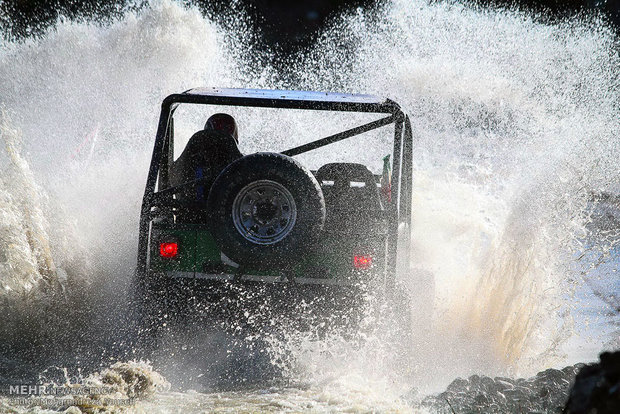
(227, 277)
(234, 297)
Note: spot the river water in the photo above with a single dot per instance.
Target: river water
(513, 263)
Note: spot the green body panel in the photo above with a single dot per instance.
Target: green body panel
(333, 259)
(186, 259)
(198, 252)
(206, 249)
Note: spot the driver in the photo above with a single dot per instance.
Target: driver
(223, 123)
(206, 154)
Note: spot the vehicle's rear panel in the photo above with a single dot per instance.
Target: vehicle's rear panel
(351, 249)
(340, 257)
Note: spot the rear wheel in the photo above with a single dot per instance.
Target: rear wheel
(266, 210)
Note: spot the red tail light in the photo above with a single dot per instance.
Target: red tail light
(362, 262)
(169, 250)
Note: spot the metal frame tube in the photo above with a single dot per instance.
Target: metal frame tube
(339, 136)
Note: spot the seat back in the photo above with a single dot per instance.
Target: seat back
(348, 186)
(206, 154)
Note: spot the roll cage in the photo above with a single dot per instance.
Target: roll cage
(399, 208)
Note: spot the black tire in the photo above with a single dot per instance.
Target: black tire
(294, 232)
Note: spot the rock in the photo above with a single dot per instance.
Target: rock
(474, 379)
(515, 395)
(597, 387)
(487, 383)
(458, 384)
(504, 385)
(572, 370)
(505, 379)
(550, 376)
(544, 393)
(481, 399)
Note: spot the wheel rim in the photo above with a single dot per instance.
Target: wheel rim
(264, 212)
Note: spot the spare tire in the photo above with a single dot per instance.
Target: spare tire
(266, 209)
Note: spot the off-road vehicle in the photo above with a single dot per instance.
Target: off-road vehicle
(264, 227)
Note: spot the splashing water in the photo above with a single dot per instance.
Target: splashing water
(514, 125)
(27, 259)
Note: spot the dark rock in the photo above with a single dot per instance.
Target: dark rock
(487, 383)
(514, 395)
(597, 387)
(571, 371)
(493, 408)
(505, 379)
(544, 393)
(502, 384)
(481, 399)
(550, 376)
(458, 384)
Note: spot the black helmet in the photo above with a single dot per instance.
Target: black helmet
(223, 123)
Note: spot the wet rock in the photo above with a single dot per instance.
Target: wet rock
(458, 384)
(544, 393)
(487, 382)
(502, 385)
(597, 387)
(474, 381)
(572, 370)
(514, 394)
(551, 377)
